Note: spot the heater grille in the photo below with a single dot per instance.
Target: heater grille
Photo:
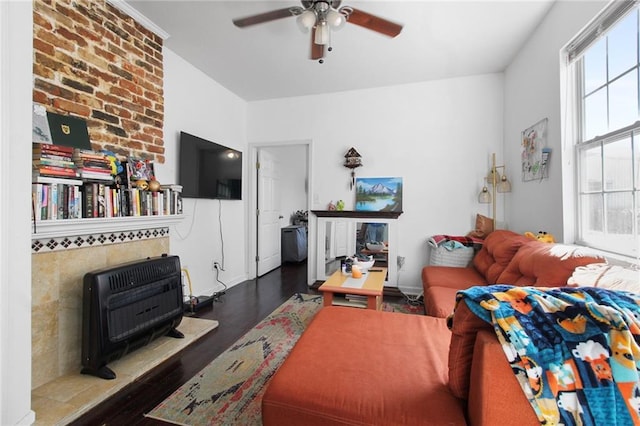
(141, 274)
(126, 307)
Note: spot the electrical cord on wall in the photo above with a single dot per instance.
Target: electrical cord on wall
(193, 220)
(416, 300)
(216, 295)
(220, 229)
(220, 266)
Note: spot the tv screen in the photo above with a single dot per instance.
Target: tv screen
(209, 170)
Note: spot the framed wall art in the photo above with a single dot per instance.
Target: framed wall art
(379, 194)
(535, 152)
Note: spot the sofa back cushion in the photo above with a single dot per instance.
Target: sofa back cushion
(463, 336)
(496, 253)
(546, 265)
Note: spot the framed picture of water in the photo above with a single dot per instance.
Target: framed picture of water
(379, 194)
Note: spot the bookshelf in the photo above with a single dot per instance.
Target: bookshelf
(67, 202)
(75, 192)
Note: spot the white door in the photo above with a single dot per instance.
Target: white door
(269, 213)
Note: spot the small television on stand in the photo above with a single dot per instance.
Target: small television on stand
(209, 170)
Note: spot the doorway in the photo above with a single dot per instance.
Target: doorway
(279, 188)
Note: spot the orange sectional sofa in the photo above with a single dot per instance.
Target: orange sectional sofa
(365, 367)
(505, 258)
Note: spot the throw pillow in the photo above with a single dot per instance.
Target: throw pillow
(484, 226)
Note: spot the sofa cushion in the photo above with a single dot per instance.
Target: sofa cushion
(496, 253)
(465, 325)
(545, 265)
(356, 366)
(451, 277)
(439, 301)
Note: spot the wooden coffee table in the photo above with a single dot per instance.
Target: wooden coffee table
(370, 285)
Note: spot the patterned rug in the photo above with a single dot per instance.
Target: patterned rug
(229, 390)
(402, 306)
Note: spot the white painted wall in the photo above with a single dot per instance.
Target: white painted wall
(198, 105)
(532, 92)
(16, 38)
(437, 135)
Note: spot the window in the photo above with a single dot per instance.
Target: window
(607, 134)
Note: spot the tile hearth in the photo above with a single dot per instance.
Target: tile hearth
(68, 397)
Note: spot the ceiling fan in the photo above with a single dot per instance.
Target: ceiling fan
(320, 16)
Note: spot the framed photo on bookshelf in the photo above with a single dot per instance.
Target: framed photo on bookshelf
(140, 169)
(136, 169)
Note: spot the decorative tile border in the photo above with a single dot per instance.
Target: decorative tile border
(96, 239)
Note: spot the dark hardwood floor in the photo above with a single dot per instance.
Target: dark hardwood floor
(239, 310)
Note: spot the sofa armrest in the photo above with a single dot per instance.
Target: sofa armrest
(495, 396)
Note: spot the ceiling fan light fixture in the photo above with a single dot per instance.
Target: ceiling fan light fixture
(322, 33)
(306, 20)
(335, 19)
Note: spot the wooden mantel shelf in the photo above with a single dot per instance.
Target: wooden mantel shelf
(72, 227)
(356, 214)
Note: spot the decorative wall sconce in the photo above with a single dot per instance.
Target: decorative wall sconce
(352, 161)
(498, 183)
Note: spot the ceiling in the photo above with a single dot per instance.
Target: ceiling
(440, 39)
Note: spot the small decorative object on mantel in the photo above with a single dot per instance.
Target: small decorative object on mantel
(331, 207)
(352, 161)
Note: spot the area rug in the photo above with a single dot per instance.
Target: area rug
(402, 306)
(229, 390)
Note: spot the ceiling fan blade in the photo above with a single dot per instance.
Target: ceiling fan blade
(317, 50)
(371, 22)
(265, 17)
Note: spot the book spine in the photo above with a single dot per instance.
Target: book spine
(56, 171)
(124, 202)
(44, 211)
(52, 149)
(135, 201)
(149, 196)
(98, 203)
(115, 208)
(54, 160)
(154, 203)
(62, 201)
(178, 203)
(88, 200)
(160, 203)
(71, 202)
(53, 202)
(78, 200)
(143, 203)
(37, 200)
(94, 169)
(108, 202)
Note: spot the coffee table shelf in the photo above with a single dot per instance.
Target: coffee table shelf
(371, 287)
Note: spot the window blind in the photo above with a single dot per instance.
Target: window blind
(615, 11)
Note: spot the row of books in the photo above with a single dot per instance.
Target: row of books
(71, 163)
(55, 199)
(52, 201)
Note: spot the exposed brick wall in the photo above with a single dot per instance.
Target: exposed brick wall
(93, 61)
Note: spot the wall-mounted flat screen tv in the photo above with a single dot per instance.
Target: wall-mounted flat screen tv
(209, 170)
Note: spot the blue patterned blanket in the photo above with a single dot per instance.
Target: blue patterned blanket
(574, 351)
